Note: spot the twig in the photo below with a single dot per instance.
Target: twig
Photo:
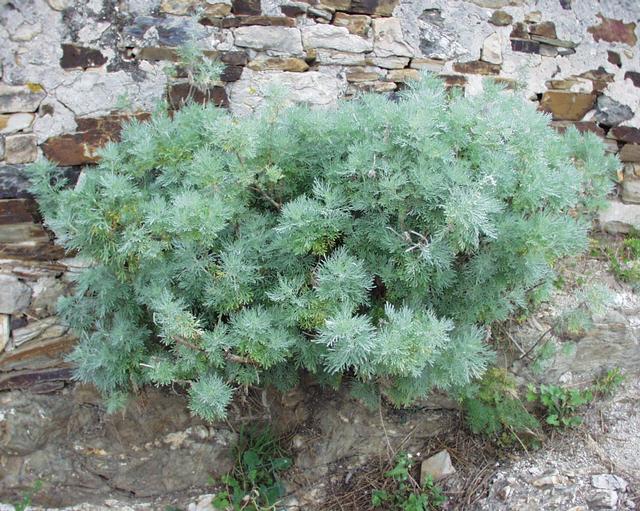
(273, 202)
(390, 452)
(536, 343)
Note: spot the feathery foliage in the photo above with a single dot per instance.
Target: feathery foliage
(377, 239)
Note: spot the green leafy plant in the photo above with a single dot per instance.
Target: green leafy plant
(560, 404)
(25, 501)
(403, 493)
(254, 484)
(494, 408)
(375, 241)
(609, 383)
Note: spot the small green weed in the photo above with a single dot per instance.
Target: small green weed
(403, 493)
(560, 404)
(25, 502)
(254, 484)
(608, 384)
(624, 260)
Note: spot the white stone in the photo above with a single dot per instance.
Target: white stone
(20, 98)
(59, 5)
(620, 218)
(631, 191)
(437, 466)
(389, 62)
(388, 39)
(5, 330)
(280, 39)
(14, 295)
(334, 38)
(312, 87)
(42, 329)
(15, 122)
(62, 120)
(492, 49)
(26, 32)
(340, 58)
(609, 482)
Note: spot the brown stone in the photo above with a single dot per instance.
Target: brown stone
(38, 355)
(294, 9)
(278, 64)
(92, 133)
(153, 53)
(429, 64)
(376, 86)
(403, 75)
(630, 153)
(231, 73)
(614, 31)
(371, 7)
(519, 31)
(179, 93)
(476, 67)
(217, 10)
(614, 58)
(451, 81)
(625, 134)
(15, 211)
(263, 21)
(544, 29)
(247, 7)
(560, 43)
(568, 106)
(362, 76)
(564, 84)
(21, 148)
(525, 46)
(30, 379)
(74, 56)
(634, 76)
(599, 77)
(507, 83)
(581, 126)
(500, 18)
(235, 58)
(357, 24)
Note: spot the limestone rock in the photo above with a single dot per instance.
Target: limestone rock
(437, 466)
(21, 148)
(476, 67)
(40, 330)
(570, 106)
(388, 62)
(5, 330)
(525, 46)
(15, 296)
(631, 191)
(551, 479)
(60, 5)
(604, 499)
(620, 218)
(20, 98)
(496, 4)
(428, 64)
(389, 40)
(278, 64)
(362, 76)
(340, 58)
(611, 113)
(403, 75)
(177, 7)
(334, 38)
(609, 482)
(614, 31)
(357, 24)
(280, 39)
(261, 21)
(492, 49)
(13, 123)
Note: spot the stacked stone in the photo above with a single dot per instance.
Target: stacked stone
(67, 64)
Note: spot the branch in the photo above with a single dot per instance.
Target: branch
(228, 356)
(264, 194)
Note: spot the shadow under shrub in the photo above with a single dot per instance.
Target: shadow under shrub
(377, 239)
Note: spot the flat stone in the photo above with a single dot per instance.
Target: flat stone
(433, 65)
(609, 482)
(625, 134)
(374, 86)
(403, 75)
(321, 15)
(334, 38)
(603, 499)
(476, 67)
(569, 106)
(261, 21)
(177, 7)
(614, 58)
(179, 93)
(158, 31)
(630, 153)
(492, 49)
(581, 126)
(496, 4)
(5, 330)
(340, 58)
(520, 31)
(1, 148)
(388, 62)
(357, 24)
(278, 64)
(389, 39)
(20, 98)
(74, 56)
(500, 18)
(550, 480)
(614, 31)
(437, 466)
(250, 7)
(611, 113)
(525, 46)
(22, 148)
(451, 81)
(293, 9)
(545, 29)
(13, 123)
(13, 182)
(281, 39)
(231, 74)
(43, 354)
(362, 76)
(371, 7)
(235, 58)
(561, 43)
(217, 9)
(619, 218)
(15, 296)
(599, 77)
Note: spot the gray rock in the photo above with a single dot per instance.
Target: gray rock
(21, 148)
(550, 480)
(331, 37)
(604, 499)
(20, 98)
(611, 113)
(14, 295)
(279, 39)
(13, 123)
(609, 482)
(620, 218)
(5, 330)
(437, 466)
(388, 39)
(631, 191)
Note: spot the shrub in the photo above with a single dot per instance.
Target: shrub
(377, 239)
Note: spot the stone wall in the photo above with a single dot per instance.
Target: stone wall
(74, 70)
